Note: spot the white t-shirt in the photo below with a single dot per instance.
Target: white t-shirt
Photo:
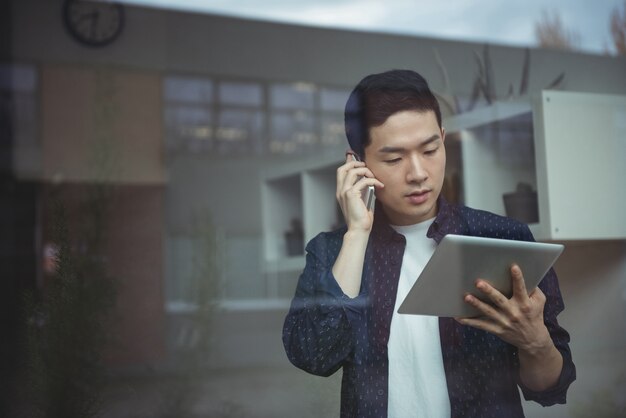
(417, 381)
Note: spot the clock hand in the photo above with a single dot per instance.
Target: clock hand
(89, 16)
(94, 24)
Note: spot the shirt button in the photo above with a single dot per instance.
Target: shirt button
(394, 262)
(381, 392)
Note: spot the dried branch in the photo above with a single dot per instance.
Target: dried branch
(550, 33)
(556, 82)
(490, 93)
(523, 85)
(618, 29)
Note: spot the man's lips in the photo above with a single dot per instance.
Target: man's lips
(419, 196)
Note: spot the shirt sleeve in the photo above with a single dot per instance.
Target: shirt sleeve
(318, 333)
(554, 306)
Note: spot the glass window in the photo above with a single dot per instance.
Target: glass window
(188, 127)
(188, 90)
(333, 100)
(220, 121)
(293, 96)
(240, 131)
(293, 132)
(333, 131)
(240, 94)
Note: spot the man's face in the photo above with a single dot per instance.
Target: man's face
(407, 155)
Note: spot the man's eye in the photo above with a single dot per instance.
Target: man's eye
(392, 161)
(431, 151)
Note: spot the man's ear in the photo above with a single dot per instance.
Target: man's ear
(443, 134)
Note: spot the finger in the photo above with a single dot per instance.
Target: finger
(344, 169)
(369, 181)
(481, 323)
(369, 173)
(342, 173)
(517, 282)
(492, 293)
(349, 181)
(487, 310)
(353, 176)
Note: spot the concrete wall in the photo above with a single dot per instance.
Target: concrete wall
(158, 40)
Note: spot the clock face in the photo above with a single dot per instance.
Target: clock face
(93, 23)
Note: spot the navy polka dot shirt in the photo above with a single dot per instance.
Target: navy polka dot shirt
(325, 330)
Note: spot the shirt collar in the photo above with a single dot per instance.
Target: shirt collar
(447, 221)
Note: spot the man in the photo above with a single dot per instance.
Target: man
(344, 313)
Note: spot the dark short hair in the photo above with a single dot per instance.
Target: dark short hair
(379, 96)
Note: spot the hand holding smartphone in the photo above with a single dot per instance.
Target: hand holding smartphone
(368, 196)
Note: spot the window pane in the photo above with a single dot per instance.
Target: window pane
(244, 94)
(333, 99)
(176, 116)
(293, 96)
(240, 131)
(190, 90)
(184, 123)
(333, 132)
(292, 132)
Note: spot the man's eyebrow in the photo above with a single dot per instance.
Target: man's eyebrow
(393, 150)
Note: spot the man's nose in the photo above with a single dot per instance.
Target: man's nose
(416, 173)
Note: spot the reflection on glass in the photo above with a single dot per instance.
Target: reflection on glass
(292, 96)
(333, 133)
(292, 132)
(185, 125)
(188, 90)
(291, 119)
(240, 131)
(240, 94)
(333, 99)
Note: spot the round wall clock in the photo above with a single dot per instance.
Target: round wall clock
(93, 23)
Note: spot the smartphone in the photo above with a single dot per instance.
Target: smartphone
(368, 196)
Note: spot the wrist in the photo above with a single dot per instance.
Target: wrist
(356, 235)
(540, 366)
(541, 347)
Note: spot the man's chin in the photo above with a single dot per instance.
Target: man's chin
(410, 217)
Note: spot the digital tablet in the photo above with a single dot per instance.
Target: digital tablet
(459, 260)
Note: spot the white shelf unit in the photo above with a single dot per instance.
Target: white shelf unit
(572, 152)
(497, 152)
(318, 194)
(304, 190)
(282, 203)
(580, 140)
(569, 147)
